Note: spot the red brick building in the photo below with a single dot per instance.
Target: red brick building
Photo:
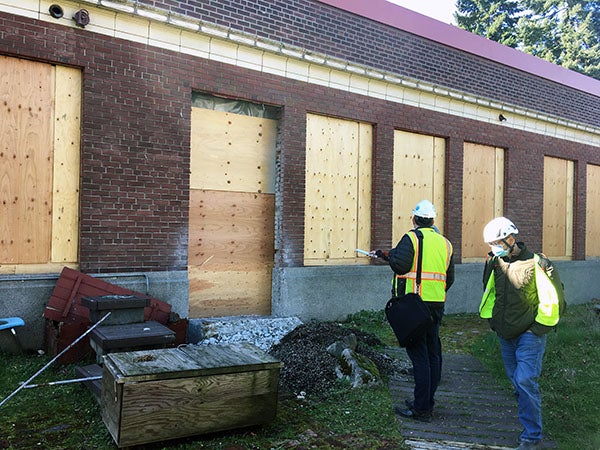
(232, 155)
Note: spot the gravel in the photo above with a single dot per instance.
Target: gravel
(308, 369)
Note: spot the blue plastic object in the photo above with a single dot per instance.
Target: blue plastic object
(11, 322)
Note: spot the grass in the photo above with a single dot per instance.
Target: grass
(68, 417)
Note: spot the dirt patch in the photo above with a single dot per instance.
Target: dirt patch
(310, 369)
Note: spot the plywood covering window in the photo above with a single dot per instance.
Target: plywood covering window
(338, 190)
(232, 213)
(419, 173)
(557, 241)
(592, 212)
(40, 107)
(483, 194)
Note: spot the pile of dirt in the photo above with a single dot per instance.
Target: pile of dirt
(310, 370)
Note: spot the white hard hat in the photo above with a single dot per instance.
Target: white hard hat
(498, 228)
(425, 209)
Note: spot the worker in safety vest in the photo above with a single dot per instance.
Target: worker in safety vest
(437, 275)
(523, 299)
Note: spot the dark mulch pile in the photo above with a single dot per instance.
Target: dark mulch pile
(309, 368)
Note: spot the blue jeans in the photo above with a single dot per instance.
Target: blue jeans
(426, 357)
(522, 358)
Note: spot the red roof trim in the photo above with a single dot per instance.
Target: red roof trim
(404, 19)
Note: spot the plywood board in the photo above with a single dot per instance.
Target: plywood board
(419, 173)
(483, 188)
(592, 212)
(232, 152)
(65, 208)
(231, 230)
(226, 293)
(338, 190)
(558, 207)
(26, 160)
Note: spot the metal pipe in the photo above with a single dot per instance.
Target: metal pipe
(54, 383)
(55, 358)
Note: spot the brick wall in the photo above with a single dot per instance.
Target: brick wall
(136, 137)
(317, 27)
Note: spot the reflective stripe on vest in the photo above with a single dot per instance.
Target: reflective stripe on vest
(436, 260)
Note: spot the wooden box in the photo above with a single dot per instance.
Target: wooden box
(155, 395)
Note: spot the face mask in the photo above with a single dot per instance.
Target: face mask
(499, 250)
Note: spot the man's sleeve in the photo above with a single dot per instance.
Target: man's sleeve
(401, 257)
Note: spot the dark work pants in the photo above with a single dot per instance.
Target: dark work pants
(426, 357)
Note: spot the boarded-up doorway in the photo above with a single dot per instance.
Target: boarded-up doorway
(337, 207)
(557, 241)
(232, 213)
(419, 173)
(592, 212)
(483, 194)
(39, 166)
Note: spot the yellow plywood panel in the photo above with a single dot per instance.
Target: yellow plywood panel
(365, 164)
(338, 180)
(26, 160)
(558, 207)
(65, 211)
(592, 212)
(232, 152)
(483, 182)
(225, 293)
(419, 173)
(231, 230)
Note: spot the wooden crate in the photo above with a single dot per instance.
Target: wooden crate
(156, 395)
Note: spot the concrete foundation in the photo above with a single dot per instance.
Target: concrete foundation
(332, 293)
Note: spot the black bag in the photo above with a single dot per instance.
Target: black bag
(408, 315)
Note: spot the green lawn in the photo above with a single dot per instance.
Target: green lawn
(68, 417)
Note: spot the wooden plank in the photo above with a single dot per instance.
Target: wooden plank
(232, 152)
(65, 207)
(419, 173)
(592, 212)
(167, 409)
(231, 230)
(338, 174)
(225, 293)
(26, 127)
(554, 207)
(439, 180)
(480, 190)
(365, 168)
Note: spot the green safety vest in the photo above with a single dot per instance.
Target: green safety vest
(436, 260)
(548, 312)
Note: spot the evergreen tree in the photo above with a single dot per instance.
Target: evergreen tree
(565, 32)
(496, 20)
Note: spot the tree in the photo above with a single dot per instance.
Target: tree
(495, 20)
(565, 32)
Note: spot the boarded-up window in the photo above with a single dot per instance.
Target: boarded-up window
(39, 165)
(419, 173)
(483, 193)
(592, 212)
(232, 213)
(338, 190)
(558, 208)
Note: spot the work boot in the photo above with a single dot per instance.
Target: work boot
(411, 413)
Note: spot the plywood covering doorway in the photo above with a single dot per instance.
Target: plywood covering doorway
(483, 196)
(557, 239)
(232, 213)
(39, 166)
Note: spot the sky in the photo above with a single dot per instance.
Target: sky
(441, 10)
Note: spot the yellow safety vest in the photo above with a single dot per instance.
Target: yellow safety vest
(548, 312)
(437, 251)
